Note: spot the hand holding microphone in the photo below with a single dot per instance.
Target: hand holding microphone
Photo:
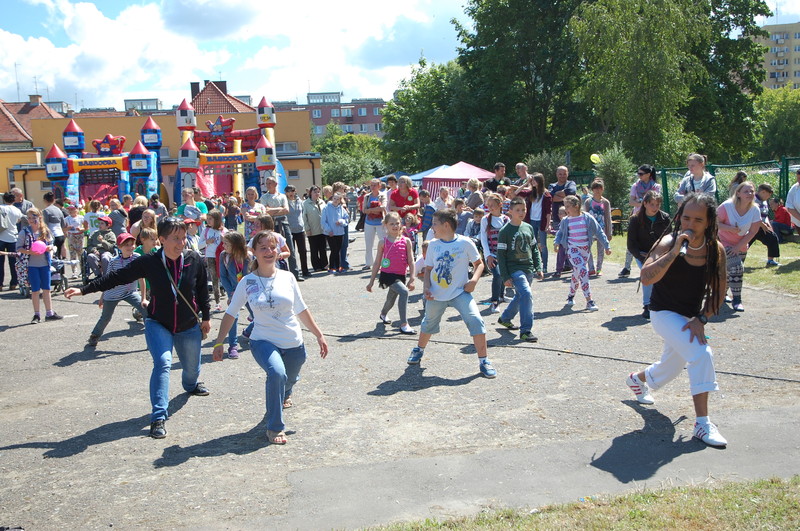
(685, 243)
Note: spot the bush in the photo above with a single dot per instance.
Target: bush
(616, 170)
(546, 163)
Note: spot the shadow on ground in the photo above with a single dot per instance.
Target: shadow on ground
(412, 379)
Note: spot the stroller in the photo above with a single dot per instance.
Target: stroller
(58, 278)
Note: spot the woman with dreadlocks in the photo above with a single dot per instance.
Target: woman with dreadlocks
(687, 271)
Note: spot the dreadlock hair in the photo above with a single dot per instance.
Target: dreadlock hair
(711, 272)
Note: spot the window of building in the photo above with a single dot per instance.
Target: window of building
(316, 113)
(362, 111)
(334, 113)
(378, 128)
(797, 35)
(347, 128)
(797, 73)
(376, 111)
(46, 185)
(164, 152)
(319, 129)
(362, 128)
(286, 147)
(797, 48)
(293, 174)
(797, 60)
(347, 112)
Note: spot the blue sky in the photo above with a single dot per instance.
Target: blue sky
(99, 53)
(96, 54)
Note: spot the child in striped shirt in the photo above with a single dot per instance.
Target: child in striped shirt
(575, 234)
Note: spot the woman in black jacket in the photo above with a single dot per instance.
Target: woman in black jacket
(172, 315)
(644, 230)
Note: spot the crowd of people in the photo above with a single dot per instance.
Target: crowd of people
(254, 253)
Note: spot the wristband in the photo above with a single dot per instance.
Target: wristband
(702, 318)
(218, 345)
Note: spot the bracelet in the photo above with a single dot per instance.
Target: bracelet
(218, 345)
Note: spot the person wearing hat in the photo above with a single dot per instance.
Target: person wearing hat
(125, 292)
(100, 246)
(192, 233)
(178, 300)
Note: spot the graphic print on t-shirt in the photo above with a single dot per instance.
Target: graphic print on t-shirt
(443, 271)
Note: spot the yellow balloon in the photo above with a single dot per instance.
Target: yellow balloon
(595, 158)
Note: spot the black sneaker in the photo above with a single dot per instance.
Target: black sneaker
(93, 339)
(157, 429)
(53, 317)
(625, 273)
(646, 313)
(199, 390)
(36, 319)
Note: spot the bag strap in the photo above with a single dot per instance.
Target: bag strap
(178, 291)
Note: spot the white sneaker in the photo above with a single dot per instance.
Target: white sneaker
(591, 306)
(495, 308)
(570, 301)
(640, 389)
(709, 434)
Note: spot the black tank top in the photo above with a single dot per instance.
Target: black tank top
(680, 290)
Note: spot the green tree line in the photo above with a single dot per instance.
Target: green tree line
(655, 78)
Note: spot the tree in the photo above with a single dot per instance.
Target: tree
(616, 169)
(519, 63)
(721, 109)
(780, 123)
(347, 157)
(637, 58)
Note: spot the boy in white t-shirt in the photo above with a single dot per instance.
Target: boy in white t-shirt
(448, 284)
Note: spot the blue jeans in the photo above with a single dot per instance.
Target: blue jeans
(497, 283)
(160, 342)
(343, 263)
(522, 301)
(464, 305)
(542, 236)
(282, 366)
(646, 290)
(134, 299)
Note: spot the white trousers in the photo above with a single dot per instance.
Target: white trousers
(370, 231)
(679, 353)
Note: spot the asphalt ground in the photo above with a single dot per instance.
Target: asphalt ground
(373, 440)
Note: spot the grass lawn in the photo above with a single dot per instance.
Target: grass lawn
(782, 279)
(762, 504)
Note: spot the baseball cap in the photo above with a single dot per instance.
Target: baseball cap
(106, 219)
(122, 238)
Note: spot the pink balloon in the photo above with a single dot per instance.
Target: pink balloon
(38, 247)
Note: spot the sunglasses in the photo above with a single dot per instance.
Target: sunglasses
(642, 173)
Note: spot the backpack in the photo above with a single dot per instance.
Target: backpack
(5, 222)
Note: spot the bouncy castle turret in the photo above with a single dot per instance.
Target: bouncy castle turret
(139, 160)
(189, 158)
(265, 155)
(56, 163)
(74, 139)
(266, 114)
(151, 135)
(185, 117)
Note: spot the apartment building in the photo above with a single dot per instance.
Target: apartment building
(782, 59)
(360, 116)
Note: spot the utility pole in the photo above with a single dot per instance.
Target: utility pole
(35, 85)
(16, 77)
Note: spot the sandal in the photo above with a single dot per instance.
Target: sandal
(276, 437)
(385, 320)
(287, 403)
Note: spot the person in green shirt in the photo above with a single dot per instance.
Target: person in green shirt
(190, 208)
(519, 261)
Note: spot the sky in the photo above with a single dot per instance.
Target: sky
(97, 54)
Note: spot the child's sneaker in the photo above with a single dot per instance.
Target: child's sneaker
(625, 273)
(709, 434)
(772, 263)
(218, 308)
(507, 324)
(233, 353)
(592, 272)
(405, 329)
(527, 336)
(495, 308)
(640, 389)
(486, 368)
(416, 356)
(570, 301)
(591, 306)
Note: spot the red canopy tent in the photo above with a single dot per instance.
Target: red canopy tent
(453, 177)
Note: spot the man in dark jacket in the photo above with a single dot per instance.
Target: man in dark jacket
(178, 291)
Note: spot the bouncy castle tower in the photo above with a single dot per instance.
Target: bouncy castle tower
(76, 174)
(224, 160)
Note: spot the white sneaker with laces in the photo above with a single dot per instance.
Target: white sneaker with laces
(710, 435)
(640, 389)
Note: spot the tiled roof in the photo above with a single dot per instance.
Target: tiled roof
(15, 119)
(211, 100)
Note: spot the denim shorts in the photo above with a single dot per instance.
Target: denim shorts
(39, 278)
(466, 307)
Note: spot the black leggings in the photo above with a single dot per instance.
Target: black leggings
(299, 239)
(770, 239)
(319, 260)
(58, 243)
(335, 243)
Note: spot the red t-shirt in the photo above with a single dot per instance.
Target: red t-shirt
(411, 198)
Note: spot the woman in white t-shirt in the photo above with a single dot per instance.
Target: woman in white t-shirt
(210, 238)
(277, 339)
(77, 227)
(738, 219)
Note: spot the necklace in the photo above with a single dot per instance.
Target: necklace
(267, 290)
(701, 245)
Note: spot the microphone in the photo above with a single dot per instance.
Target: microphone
(685, 244)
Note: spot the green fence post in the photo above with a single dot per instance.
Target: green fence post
(665, 190)
(783, 181)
